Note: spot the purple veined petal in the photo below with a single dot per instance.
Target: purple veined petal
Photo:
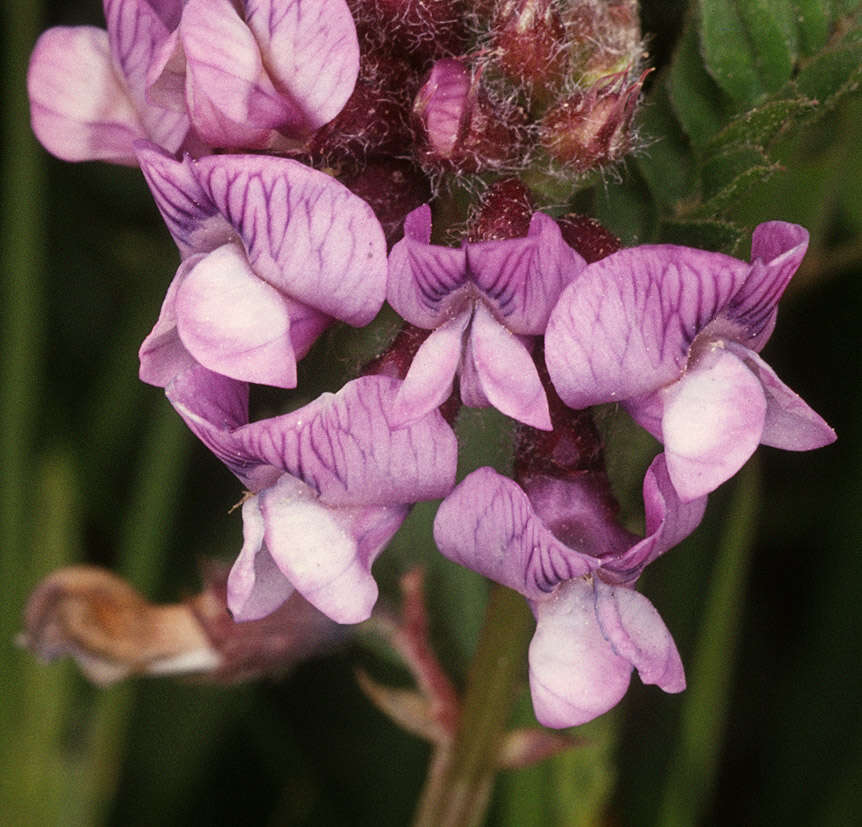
(343, 446)
(637, 633)
(79, 108)
(168, 12)
(522, 278)
(234, 323)
(575, 675)
(429, 381)
(255, 586)
(669, 521)
(317, 552)
(713, 421)
(424, 277)
(777, 250)
(624, 326)
(312, 54)
(192, 219)
(136, 30)
(162, 354)
(231, 100)
(305, 233)
(488, 524)
(214, 407)
(790, 424)
(507, 372)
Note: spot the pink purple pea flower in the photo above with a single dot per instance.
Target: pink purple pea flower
(256, 73)
(192, 75)
(674, 334)
(271, 250)
(551, 539)
(88, 86)
(329, 485)
(485, 302)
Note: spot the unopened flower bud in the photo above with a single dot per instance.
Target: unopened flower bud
(587, 237)
(376, 118)
(504, 211)
(392, 188)
(530, 41)
(593, 128)
(462, 128)
(425, 29)
(604, 36)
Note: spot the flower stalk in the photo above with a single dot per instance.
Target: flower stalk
(458, 788)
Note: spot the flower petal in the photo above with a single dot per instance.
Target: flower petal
(790, 424)
(343, 446)
(191, 217)
(669, 521)
(234, 323)
(429, 381)
(255, 586)
(423, 277)
(162, 354)
(713, 420)
(312, 53)
(213, 407)
(488, 525)
(637, 633)
(79, 109)
(624, 326)
(575, 675)
(304, 233)
(317, 552)
(507, 372)
(522, 278)
(136, 30)
(777, 250)
(230, 97)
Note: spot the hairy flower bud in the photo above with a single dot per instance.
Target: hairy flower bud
(586, 236)
(593, 128)
(376, 118)
(604, 36)
(425, 29)
(392, 188)
(462, 128)
(530, 41)
(504, 212)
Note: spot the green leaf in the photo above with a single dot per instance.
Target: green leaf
(696, 99)
(812, 19)
(735, 190)
(667, 165)
(832, 74)
(772, 33)
(759, 126)
(707, 234)
(728, 51)
(727, 176)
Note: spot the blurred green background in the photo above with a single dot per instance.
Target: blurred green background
(96, 467)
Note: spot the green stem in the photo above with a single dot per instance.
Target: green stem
(458, 788)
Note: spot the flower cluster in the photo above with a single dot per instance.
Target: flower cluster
(286, 144)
